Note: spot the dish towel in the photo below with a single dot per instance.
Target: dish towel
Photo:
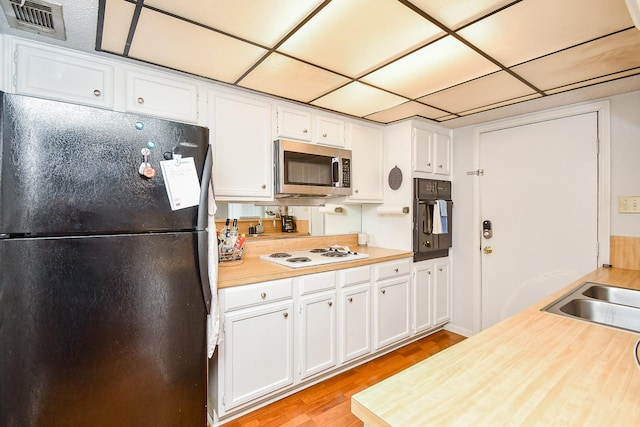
(440, 220)
(213, 318)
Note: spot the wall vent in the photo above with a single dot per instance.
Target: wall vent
(35, 16)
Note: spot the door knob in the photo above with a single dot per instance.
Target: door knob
(487, 249)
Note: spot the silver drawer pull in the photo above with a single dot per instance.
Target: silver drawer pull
(263, 295)
(285, 315)
(140, 100)
(97, 92)
(384, 291)
(330, 304)
(395, 269)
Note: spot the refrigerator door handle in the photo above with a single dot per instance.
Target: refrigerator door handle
(203, 262)
(203, 211)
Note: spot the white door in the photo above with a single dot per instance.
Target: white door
(540, 192)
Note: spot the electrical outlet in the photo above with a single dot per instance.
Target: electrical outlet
(630, 204)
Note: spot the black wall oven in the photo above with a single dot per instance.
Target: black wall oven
(432, 227)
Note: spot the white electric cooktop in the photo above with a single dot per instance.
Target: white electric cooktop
(313, 257)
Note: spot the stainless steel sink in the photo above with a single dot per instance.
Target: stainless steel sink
(602, 304)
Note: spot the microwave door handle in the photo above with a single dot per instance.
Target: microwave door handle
(336, 171)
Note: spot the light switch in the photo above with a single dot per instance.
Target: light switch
(629, 204)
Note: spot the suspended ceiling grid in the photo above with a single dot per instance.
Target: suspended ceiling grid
(383, 60)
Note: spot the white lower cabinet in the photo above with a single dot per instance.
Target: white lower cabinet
(431, 299)
(391, 302)
(354, 316)
(255, 356)
(317, 340)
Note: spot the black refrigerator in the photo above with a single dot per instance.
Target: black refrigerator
(104, 289)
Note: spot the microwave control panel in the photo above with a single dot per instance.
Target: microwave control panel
(346, 173)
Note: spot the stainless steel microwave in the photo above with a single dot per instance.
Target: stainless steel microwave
(307, 170)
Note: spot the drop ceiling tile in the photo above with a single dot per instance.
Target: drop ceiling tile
(173, 43)
(442, 64)
(455, 14)
(500, 104)
(408, 109)
(608, 55)
(264, 22)
(530, 29)
(358, 100)
(487, 90)
(356, 36)
(292, 79)
(117, 20)
(607, 78)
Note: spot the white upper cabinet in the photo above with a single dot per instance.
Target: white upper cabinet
(239, 128)
(367, 163)
(329, 131)
(293, 123)
(156, 95)
(431, 152)
(62, 75)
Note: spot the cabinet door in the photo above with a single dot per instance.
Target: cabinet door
(64, 77)
(423, 155)
(329, 131)
(161, 97)
(258, 352)
(240, 135)
(355, 318)
(442, 293)
(423, 278)
(391, 302)
(442, 148)
(294, 123)
(367, 163)
(317, 333)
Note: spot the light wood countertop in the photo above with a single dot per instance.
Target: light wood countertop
(253, 269)
(532, 369)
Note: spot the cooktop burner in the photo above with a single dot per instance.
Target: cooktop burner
(280, 255)
(334, 254)
(313, 257)
(299, 259)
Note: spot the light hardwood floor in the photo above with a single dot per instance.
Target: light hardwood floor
(329, 402)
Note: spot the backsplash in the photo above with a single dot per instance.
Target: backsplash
(625, 252)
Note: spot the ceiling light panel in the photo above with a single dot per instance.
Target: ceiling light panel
(530, 29)
(608, 55)
(358, 99)
(264, 22)
(500, 104)
(356, 36)
(487, 90)
(408, 109)
(173, 43)
(442, 64)
(117, 20)
(292, 79)
(455, 14)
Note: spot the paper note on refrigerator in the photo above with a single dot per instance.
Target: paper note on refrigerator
(182, 183)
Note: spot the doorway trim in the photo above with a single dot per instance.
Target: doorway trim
(602, 108)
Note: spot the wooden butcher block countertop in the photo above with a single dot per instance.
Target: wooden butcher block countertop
(253, 269)
(532, 369)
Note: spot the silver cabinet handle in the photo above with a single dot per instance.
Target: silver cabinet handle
(304, 131)
(350, 299)
(140, 100)
(395, 269)
(324, 135)
(97, 92)
(263, 295)
(384, 291)
(330, 304)
(263, 186)
(285, 315)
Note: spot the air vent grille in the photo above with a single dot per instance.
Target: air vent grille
(35, 16)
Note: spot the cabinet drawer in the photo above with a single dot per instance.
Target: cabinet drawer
(260, 293)
(354, 276)
(391, 269)
(316, 282)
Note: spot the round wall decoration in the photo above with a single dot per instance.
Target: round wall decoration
(395, 178)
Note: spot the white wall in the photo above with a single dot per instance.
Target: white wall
(625, 181)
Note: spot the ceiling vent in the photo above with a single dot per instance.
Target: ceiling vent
(35, 16)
